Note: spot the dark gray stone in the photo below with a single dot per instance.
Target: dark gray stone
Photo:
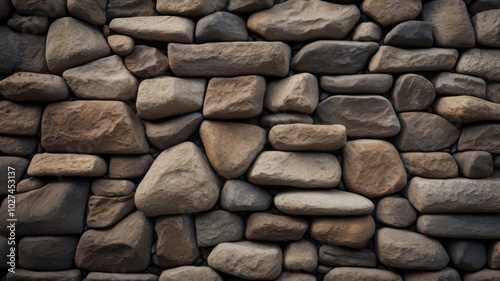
(29, 275)
(165, 134)
(417, 34)
(130, 8)
(412, 92)
(217, 227)
(474, 164)
(16, 165)
(237, 195)
(467, 255)
(31, 25)
(221, 26)
(47, 252)
(335, 256)
(470, 226)
(19, 146)
(101, 276)
(484, 137)
(395, 211)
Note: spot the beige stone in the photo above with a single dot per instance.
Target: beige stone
(152, 28)
(231, 147)
(121, 44)
(270, 227)
(361, 274)
(145, 61)
(353, 232)
(298, 93)
(67, 165)
(37, 87)
(191, 8)
(357, 84)
(300, 255)
(129, 166)
(467, 109)
(190, 273)
(299, 137)
(389, 12)
(437, 165)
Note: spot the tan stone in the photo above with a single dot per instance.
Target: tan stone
(67, 165)
(191, 8)
(129, 166)
(361, 274)
(287, 168)
(234, 98)
(152, 28)
(437, 165)
(121, 44)
(298, 137)
(145, 61)
(231, 147)
(272, 120)
(19, 119)
(298, 93)
(389, 12)
(467, 109)
(189, 273)
(106, 211)
(302, 20)
(353, 232)
(300, 255)
(29, 86)
(372, 168)
(270, 227)
(101, 127)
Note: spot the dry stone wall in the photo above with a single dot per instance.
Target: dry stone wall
(205, 140)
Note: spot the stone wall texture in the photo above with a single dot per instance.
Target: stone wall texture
(209, 140)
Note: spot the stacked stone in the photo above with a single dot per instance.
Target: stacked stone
(251, 140)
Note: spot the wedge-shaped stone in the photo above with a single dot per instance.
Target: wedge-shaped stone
(298, 93)
(106, 211)
(270, 227)
(129, 166)
(333, 57)
(71, 42)
(487, 27)
(20, 119)
(287, 168)
(405, 249)
(230, 59)
(221, 26)
(454, 195)
(439, 165)
(372, 168)
(156, 28)
(481, 137)
(417, 34)
(298, 137)
(474, 164)
(467, 109)
(322, 203)
(186, 185)
(64, 215)
(102, 127)
(480, 62)
(332, 255)
(396, 60)
(189, 273)
(452, 84)
(412, 92)
(480, 226)
(395, 211)
(106, 79)
(363, 116)
(367, 32)
(302, 20)
(101, 276)
(249, 260)
(112, 188)
(165, 134)
(388, 12)
(231, 147)
(29, 86)
(422, 131)
(91, 11)
(353, 232)
(125, 247)
(450, 22)
(234, 98)
(146, 62)
(67, 165)
(361, 274)
(237, 196)
(190, 8)
(357, 84)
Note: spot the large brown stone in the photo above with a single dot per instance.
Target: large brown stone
(333, 57)
(372, 168)
(353, 232)
(297, 93)
(37, 87)
(71, 42)
(396, 60)
(300, 20)
(67, 165)
(176, 243)
(389, 12)
(467, 109)
(437, 165)
(230, 59)
(19, 119)
(286, 168)
(231, 147)
(270, 227)
(363, 116)
(421, 131)
(298, 137)
(186, 185)
(125, 247)
(480, 62)
(102, 127)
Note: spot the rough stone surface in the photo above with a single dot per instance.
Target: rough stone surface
(300, 137)
(412, 92)
(435, 165)
(467, 226)
(361, 274)
(195, 8)
(237, 195)
(300, 20)
(19, 119)
(234, 98)
(101, 276)
(494, 255)
(107, 211)
(242, 258)
(284, 168)
(217, 227)
(353, 232)
(124, 247)
(482, 5)
(290, 276)
(231, 147)
(333, 255)
(480, 62)
(409, 250)
(121, 44)
(395, 212)
(187, 185)
(19, 165)
(165, 134)
(19, 146)
(47, 252)
(270, 227)
(487, 28)
(467, 109)
(484, 137)
(91, 11)
(130, 166)
(29, 184)
(444, 274)
(363, 116)
(130, 8)
(22, 52)
(245, 6)
(71, 43)
(83, 127)
(221, 26)
(272, 120)
(493, 92)
(65, 275)
(484, 274)
(34, 87)
(397, 60)
(189, 273)
(372, 168)
(169, 96)
(357, 84)
(416, 34)
(298, 93)
(333, 57)
(367, 32)
(474, 164)
(53, 8)
(145, 61)
(67, 165)
(421, 131)
(300, 255)
(322, 203)
(230, 59)
(450, 22)
(112, 188)
(176, 244)
(388, 12)
(447, 83)
(179, 29)
(467, 255)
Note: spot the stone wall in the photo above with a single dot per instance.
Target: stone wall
(193, 140)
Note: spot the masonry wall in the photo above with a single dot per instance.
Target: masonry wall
(250, 140)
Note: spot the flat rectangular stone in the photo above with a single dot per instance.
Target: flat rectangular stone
(156, 28)
(67, 165)
(230, 59)
(457, 195)
(480, 226)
